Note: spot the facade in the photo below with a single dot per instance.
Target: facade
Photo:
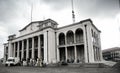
(111, 54)
(74, 43)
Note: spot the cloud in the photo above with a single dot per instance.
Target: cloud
(15, 14)
(99, 8)
(88, 8)
(57, 4)
(109, 32)
(12, 17)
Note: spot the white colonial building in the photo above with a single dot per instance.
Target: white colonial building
(74, 43)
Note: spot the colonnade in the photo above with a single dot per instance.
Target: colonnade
(28, 48)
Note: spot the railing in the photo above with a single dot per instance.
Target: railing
(71, 44)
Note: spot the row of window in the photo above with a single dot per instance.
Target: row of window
(70, 37)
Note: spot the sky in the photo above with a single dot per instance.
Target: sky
(105, 14)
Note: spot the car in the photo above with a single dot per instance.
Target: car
(12, 61)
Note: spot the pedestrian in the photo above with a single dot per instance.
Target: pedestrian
(34, 62)
(38, 62)
(24, 63)
(28, 61)
(31, 62)
(41, 63)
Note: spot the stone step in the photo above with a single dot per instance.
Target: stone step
(87, 65)
(117, 65)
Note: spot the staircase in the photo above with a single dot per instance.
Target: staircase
(86, 65)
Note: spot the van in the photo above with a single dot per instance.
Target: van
(12, 61)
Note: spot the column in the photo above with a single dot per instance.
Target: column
(99, 53)
(58, 54)
(86, 56)
(14, 50)
(96, 53)
(39, 48)
(101, 57)
(75, 50)
(27, 49)
(74, 38)
(22, 55)
(33, 48)
(5, 54)
(10, 48)
(66, 53)
(18, 49)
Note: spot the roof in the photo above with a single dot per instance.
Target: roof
(91, 23)
(41, 22)
(80, 22)
(112, 49)
(5, 43)
(12, 35)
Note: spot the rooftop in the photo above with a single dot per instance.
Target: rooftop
(111, 49)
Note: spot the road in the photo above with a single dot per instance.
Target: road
(21, 69)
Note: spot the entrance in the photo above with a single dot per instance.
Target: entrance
(62, 54)
(71, 55)
(42, 53)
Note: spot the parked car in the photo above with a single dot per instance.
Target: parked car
(12, 61)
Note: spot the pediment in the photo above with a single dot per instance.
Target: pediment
(48, 23)
(32, 23)
(42, 24)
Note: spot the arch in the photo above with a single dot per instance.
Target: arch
(61, 39)
(79, 35)
(70, 37)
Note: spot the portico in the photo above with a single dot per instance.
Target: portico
(30, 48)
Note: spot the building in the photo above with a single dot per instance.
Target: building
(74, 43)
(111, 54)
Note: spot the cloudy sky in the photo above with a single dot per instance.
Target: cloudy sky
(15, 14)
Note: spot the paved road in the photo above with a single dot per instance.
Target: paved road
(20, 69)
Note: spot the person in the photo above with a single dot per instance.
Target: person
(41, 63)
(28, 61)
(21, 62)
(34, 62)
(38, 62)
(31, 62)
(24, 63)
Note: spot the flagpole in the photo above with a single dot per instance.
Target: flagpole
(31, 18)
(73, 15)
(31, 11)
